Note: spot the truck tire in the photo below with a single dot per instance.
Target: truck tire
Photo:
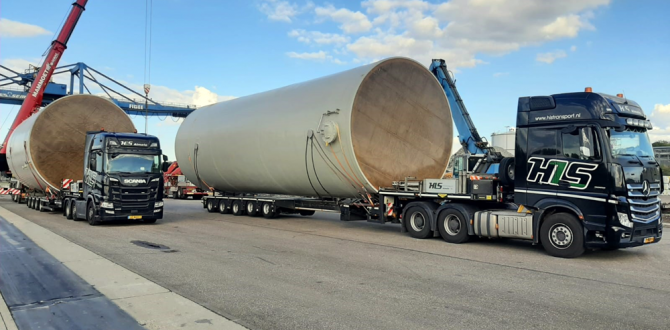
(252, 210)
(268, 211)
(73, 210)
(506, 171)
(307, 213)
(211, 205)
(562, 236)
(40, 207)
(180, 194)
(29, 202)
(453, 226)
(174, 195)
(418, 222)
(222, 207)
(237, 208)
(68, 209)
(90, 215)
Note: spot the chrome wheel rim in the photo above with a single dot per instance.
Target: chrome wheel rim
(266, 208)
(560, 236)
(236, 207)
(250, 207)
(417, 221)
(452, 225)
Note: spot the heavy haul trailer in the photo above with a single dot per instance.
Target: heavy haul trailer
(583, 177)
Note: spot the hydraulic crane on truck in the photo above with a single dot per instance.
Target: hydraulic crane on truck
(478, 154)
(33, 100)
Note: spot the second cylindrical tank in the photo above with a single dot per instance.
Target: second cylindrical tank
(342, 135)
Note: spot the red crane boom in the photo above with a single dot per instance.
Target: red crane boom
(33, 100)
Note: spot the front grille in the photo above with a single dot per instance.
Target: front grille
(644, 208)
(646, 232)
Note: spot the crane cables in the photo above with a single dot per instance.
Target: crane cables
(148, 14)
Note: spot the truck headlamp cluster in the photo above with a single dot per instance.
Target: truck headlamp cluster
(639, 123)
(623, 220)
(107, 205)
(159, 204)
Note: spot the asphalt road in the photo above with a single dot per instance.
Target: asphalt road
(320, 273)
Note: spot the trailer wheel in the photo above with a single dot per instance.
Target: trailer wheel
(222, 207)
(211, 205)
(174, 195)
(29, 202)
(562, 236)
(268, 211)
(252, 211)
(307, 213)
(237, 208)
(68, 208)
(40, 207)
(418, 222)
(90, 215)
(453, 226)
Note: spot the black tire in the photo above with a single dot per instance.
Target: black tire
(307, 213)
(237, 208)
(268, 211)
(40, 207)
(506, 171)
(417, 222)
(90, 215)
(222, 207)
(14, 198)
(453, 226)
(150, 221)
(211, 205)
(29, 203)
(251, 209)
(68, 209)
(562, 236)
(174, 195)
(73, 210)
(180, 194)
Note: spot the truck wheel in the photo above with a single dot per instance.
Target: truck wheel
(417, 222)
(180, 194)
(174, 195)
(222, 207)
(307, 213)
(211, 205)
(251, 209)
(39, 206)
(73, 210)
(506, 171)
(453, 226)
(268, 211)
(562, 236)
(29, 202)
(237, 208)
(90, 215)
(68, 209)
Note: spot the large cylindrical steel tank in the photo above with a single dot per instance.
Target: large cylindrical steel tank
(49, 146)
(504, 140)
(340, 135)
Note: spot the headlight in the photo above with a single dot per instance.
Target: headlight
(107, 205)
(158, 204)
(155, 179)
(623, 220)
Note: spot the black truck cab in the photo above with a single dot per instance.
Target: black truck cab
(589, 153)
(122, 178)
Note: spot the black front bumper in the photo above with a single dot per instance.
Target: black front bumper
(150, 214)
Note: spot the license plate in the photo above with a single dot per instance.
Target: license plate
(648, 240)
(135, 217)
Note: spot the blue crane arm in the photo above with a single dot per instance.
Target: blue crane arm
(467, 132)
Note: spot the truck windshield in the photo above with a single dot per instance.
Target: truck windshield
(630, 143)
(133, 163)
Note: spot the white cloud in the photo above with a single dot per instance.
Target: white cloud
(320, 55)
(282, 11)
(457, 31)
(14, 29)
(660, 116)
(550, 57)
(319, 37)
(351, 22)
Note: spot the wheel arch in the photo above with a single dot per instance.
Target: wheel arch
(429, 207)
(549, 206)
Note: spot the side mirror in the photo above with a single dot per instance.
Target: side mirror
(165, 166)
(165, 159)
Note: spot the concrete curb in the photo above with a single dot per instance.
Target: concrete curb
(6, 316)
(152, 305)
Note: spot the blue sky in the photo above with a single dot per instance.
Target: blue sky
(207, 51)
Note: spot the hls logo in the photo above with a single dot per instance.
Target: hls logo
(553, 171)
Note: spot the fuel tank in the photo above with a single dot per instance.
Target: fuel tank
(48, 147)
(342, 135)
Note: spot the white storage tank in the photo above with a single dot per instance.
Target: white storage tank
(341, 135)
(504, 140)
